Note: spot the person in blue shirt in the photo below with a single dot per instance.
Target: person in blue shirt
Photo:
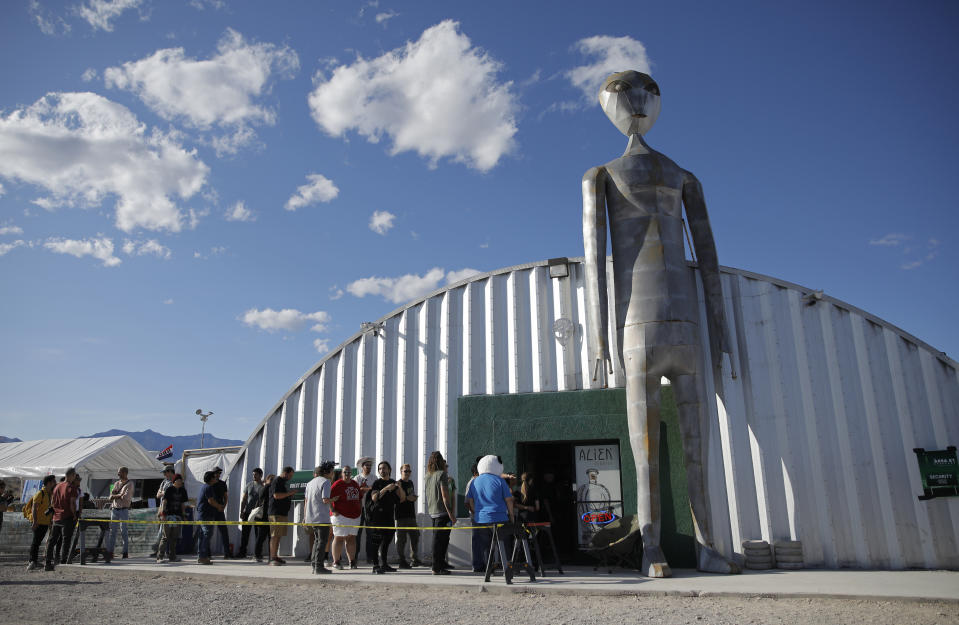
(206, 509)
(490, 499)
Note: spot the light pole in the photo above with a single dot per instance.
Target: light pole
(203, 418)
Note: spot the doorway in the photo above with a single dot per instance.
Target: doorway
(563, 486)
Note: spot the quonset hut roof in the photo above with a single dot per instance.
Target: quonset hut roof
(821, 417)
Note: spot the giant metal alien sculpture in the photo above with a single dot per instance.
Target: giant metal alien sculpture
(656, 303)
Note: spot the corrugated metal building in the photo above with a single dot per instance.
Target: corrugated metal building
(811, 436)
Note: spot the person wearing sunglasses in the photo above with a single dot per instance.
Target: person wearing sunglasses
(406, 517)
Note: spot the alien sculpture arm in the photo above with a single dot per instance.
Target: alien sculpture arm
(708, 260)
(597, 298)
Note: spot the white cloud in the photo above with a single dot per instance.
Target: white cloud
(239, 212)
(88, 75)
(407, 287)
(48, 23)
(232, 142)
(224, 90)
(890, 240)
(437, 96)
(11, 230)
(168, 302)
(287, 319)
(2, 190)
(101, 13)
(322, 345)
(81, 147)
(6, 247)
(144, 248)
(336, 292)
(202, 4)
(318, 189)
(100, 248)
(381, 221)
(462, 274)
(612, 54)
(385, 16)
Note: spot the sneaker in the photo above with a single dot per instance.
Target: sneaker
(174, 559)
(259, 559)
(418, 563)
(442, 572)
(338, 566)
(386, 568)
(159, 560)
(320, 570)
(277, 562)
(33, 566)
(354, 565)
(377, 570)
(204, 561)
(49, 567)
(404, 564)
(125, 556)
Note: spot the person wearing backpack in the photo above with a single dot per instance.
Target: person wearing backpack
(40, 514)
(252, 494)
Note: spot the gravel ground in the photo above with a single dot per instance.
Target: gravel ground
(76, 597)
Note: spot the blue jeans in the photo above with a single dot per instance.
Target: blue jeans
(479, 547)
(206, 533)
(112, 539)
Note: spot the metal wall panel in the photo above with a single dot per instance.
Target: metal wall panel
(811, 436)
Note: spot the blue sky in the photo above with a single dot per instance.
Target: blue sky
(200, 198)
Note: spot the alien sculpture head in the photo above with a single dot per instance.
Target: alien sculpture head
(631, 101)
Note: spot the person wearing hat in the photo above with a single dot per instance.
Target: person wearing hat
(167, 482)
(223, 497)
(365, 479)
(206, 508)
(172, 508)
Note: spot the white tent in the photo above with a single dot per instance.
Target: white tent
(94, 458)
(199, 461)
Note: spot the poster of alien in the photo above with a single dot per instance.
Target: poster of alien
(599, 498)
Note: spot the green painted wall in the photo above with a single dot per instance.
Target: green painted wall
(496, 423)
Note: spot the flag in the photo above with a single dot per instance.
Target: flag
(166, 453)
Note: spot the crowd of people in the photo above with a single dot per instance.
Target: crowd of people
(341, 513)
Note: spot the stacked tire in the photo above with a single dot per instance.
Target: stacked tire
(758, 555)
(789, 554)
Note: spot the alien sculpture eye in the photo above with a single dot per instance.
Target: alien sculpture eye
(652, 88)
(617, 85)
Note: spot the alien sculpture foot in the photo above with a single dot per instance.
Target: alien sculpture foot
(654, 563)
(709, 560)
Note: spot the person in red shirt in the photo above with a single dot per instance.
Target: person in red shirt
(345, 514)
(64, 503)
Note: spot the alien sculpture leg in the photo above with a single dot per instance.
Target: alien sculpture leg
(642, 416)
(690, 394)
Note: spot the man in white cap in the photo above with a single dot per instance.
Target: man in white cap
(365, 479)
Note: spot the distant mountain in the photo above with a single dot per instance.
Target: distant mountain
(154, 441)
(4, 439)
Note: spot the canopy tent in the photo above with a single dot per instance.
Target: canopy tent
(94, 458)
(199, 461)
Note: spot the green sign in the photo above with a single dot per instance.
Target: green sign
(939, 470)
(297, 484)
